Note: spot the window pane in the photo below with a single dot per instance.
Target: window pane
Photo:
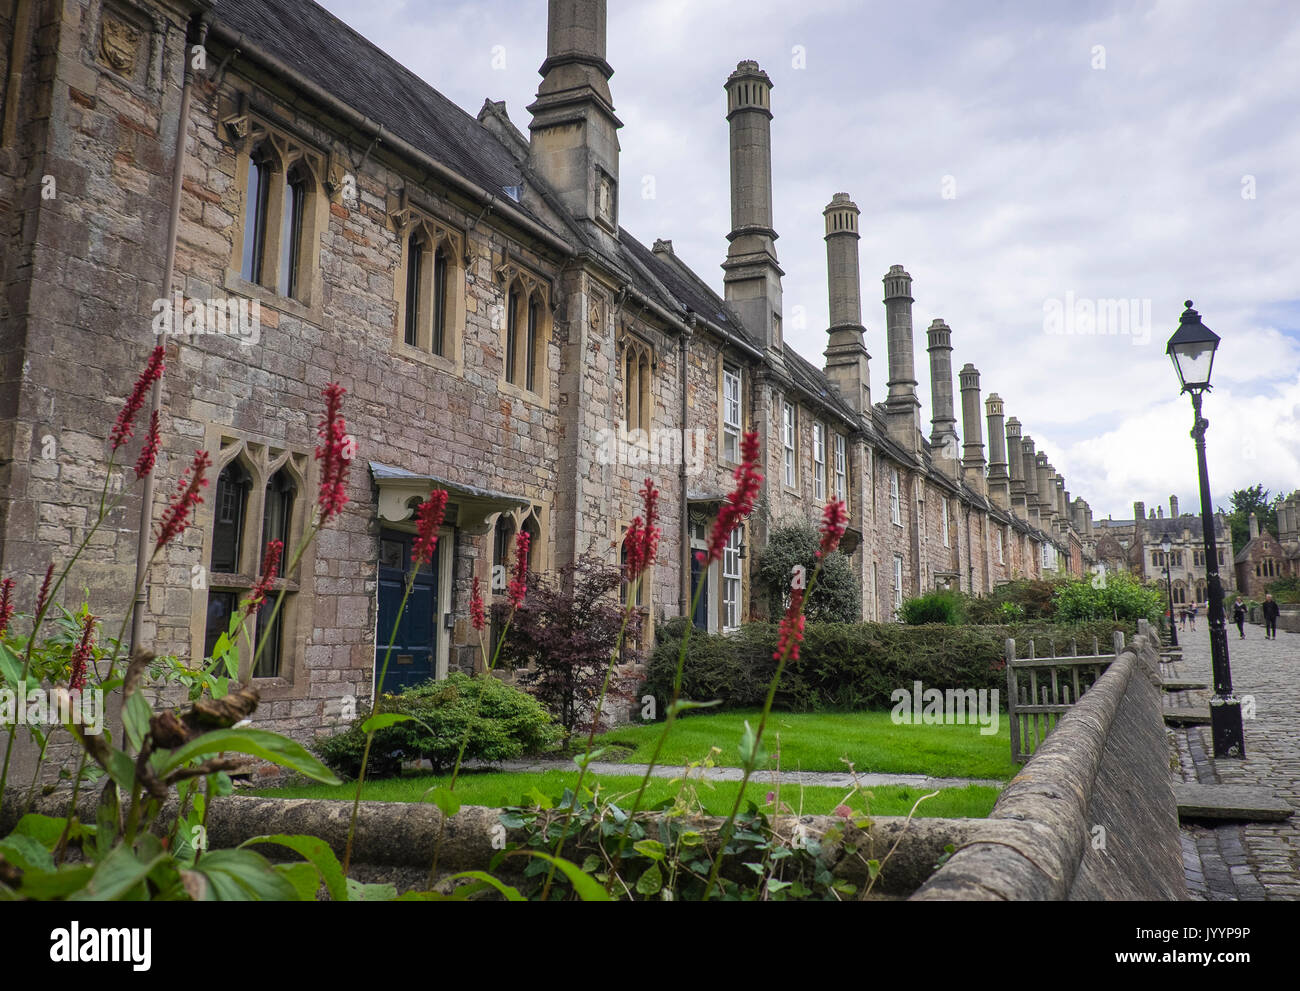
(414, 264)
(291, 236)
(228, 524)
(278, 512)
(512, 333)
(221, 606)
(531, 356)
(268, 665)
(254, 219)
(439, 300)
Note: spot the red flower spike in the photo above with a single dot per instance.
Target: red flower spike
(176, 517)
(81, 655)
(123, 426)
(270, 567)
(149, 453)
(477, 614)
(790, 635)
(6, 603)
(335, 452)
(428, 518)
(518, 586)
(835, 520)
(740, 503)
(43, 595)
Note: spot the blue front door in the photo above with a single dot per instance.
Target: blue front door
(414, 657)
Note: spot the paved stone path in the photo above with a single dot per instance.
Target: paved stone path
(828, 779)
(1243, 861)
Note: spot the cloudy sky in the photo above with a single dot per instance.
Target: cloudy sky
(1020, 160)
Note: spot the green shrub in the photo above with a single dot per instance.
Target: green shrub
(836, 599)
(1116, 596)
(506, 724)
(939, 606)
(1284, 589)
(852, 665)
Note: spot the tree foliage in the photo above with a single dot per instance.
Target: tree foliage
(836, 599)
(1253, 499)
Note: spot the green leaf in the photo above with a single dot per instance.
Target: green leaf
(107, 820)
(446, 800)
(685, 705)
(585, 760)
(256, 742)
(751, 753)
(44, 886)
(650, 881)
(242, 875)
(303, 877)
(773, 885)
(358, 892)
(26, 853)
(115, 876)
(511, 894)
(46, 830)
(121, 769)
(586, 887)
(382, 720)
(650, 848)
(135, 718)
(539, 799)
(10, 667)
(318, 854)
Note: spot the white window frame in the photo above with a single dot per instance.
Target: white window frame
(819, 461)
(731, 426)
(841, 470)
(730, 584)
(943, 527)
(898, 582)
(895, 501)
(1002, 559)
(789, 433)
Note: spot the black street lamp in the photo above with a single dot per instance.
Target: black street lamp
(1192, 350)
(1166, 546)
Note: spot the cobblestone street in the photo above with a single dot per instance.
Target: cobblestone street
(1246, 861)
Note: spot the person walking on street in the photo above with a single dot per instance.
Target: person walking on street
(1191, 617)
(1270, 617)
(1182, 619)
(1239, 616)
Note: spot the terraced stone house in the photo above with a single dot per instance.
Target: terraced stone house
(289, 207)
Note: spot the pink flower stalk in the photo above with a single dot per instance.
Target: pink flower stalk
(428, 518)
(270, 566)
(642, 540)
(6, 603)
(790, 635)
(477, 614)
(335, 452)
(176, 517)
(149, 453)
(740, 503)
(518, 586)
(123, 427)
(44, 594)
(835, 520)
(81, 655)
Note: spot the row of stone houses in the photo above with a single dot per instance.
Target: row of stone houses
(325, 215)
(1265, 558)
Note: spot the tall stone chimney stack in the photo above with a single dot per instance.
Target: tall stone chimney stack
(1139, 521)
(1046, 492)
(1254, 526)
(751, 273)
(847, 360)
(1016, 468)
(944, 445)
(1030, 462)
(999, 477)
(573, 143)
(901, 406)
(972, 430)
(1173, 507)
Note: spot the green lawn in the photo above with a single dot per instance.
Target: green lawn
(817, 741)
(499, 789)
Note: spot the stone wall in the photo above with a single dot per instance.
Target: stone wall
(1092, 816)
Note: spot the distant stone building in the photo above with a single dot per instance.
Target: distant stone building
(1134, 546)
(1266, 558)
(499, 333)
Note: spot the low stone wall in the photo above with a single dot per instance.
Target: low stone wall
(1288, 618)
(1092, 816)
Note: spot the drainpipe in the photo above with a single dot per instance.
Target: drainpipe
(684, 590)
(142, 550)
(13, 90)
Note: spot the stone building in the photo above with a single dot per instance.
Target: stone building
(290, 207)
(1134, 546)
(1266, 558)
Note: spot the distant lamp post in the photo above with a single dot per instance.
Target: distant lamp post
(1192, 351)
(1166, 546)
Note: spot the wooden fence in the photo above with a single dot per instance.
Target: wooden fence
(1040, 690)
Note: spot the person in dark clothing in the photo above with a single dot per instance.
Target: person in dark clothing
(1270, 618)
(1239, 616)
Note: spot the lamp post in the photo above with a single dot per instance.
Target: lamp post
(1192, 350)
(1165, 546)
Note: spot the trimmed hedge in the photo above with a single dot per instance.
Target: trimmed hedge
(851, 665)
(506, 724)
